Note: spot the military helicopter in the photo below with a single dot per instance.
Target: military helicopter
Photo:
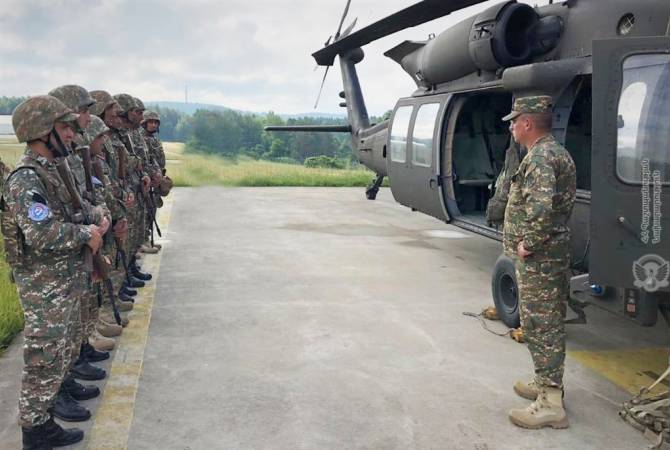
(607, 66)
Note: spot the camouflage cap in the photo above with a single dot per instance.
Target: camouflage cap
(36, 117)
(126, 102)
(74, 96)
(151, 115)
(103, 100)
(96, 128)
(536, 104)
(139, 104)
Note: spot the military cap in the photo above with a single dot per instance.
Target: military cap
(103, 100)
(150, 115)
(36, 117)
(96, 128)
(126, 102)
(536, 104)
(74, 96)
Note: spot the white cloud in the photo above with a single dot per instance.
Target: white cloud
(245, 54)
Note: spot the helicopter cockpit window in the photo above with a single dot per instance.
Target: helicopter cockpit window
(643, 127)
(399, 131)
(422, 137)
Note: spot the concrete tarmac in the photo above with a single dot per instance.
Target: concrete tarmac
(291, 318)
(315, 319)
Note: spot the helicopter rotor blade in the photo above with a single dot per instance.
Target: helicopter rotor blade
(417, 14)
(323, 82)
(347, 30)
(344, 16)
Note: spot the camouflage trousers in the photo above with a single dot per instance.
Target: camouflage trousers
(89, 312)
(543, 293)
(51, 312)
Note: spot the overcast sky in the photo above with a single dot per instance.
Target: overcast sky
(253, 55)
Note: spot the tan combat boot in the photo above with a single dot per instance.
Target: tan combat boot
(108, 329)
(527, 389)
(148, 249)
(546, 411)
(108, 317)
(124, 306)
(101, 343)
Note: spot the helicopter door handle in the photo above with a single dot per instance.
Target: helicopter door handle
(435, 182)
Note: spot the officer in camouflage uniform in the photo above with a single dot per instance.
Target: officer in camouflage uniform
(43, 244)
(536, 236)
(79, 100)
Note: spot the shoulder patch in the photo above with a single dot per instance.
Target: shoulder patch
(38, 212)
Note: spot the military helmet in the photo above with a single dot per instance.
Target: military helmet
(75, 97)
(36, 116)
(103, 100)
(150, 115)
(96, 128)
(139, 104)
(126, 102)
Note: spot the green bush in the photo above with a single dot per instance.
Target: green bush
(324, 162)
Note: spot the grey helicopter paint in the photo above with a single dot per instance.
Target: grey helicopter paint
(607, 66)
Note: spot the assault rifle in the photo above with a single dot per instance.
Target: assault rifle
(91, 261)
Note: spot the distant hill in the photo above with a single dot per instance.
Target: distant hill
(190, 108)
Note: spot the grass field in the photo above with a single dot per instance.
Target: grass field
(190, 169)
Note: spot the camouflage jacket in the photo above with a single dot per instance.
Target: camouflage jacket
(155, 149)
(541, 198)
(37, 220)
(495, 210)
(121, 141)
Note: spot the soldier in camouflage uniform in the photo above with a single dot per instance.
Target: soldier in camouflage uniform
(107, 108)
(43, 244)
(156, 156)
(79, 100)
(131, 116)
(536, 236)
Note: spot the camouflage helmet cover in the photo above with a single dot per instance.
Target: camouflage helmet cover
(139, 104)
(151, 115)
(96, 128)
(103, 100)
(36, 117)
(74, 96)
(126, 102)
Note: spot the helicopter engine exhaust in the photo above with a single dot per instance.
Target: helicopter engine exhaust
(506, 35)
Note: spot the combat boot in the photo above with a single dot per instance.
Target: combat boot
(126, 298)
(148, 249)
(108, 317)
(78, 391)
(107, 329)
(546, 411)
(101, 343)
(124, 306)
(136, 283)
(90, 354)
(127, 290)
(527, 389)
(49, 435)
(86, 371)
(66, 407)
(137, 273)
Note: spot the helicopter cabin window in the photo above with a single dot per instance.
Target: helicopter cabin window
(422, 137)
(399, 131)
(643, 134)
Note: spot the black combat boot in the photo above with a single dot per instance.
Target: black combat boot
(85, 371)
(125, 297)
(137, 273)
(136, 283)
(57, 436)
(66, 408)
(89, 354)
(34, 438)
(127, 290)
(78, 391)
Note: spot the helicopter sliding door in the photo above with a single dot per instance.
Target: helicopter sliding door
(413, 155)
(630, 212)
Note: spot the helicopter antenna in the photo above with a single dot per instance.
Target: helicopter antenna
(336, 37)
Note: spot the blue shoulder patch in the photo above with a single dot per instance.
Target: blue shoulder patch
(38, 212)
(96, 181)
